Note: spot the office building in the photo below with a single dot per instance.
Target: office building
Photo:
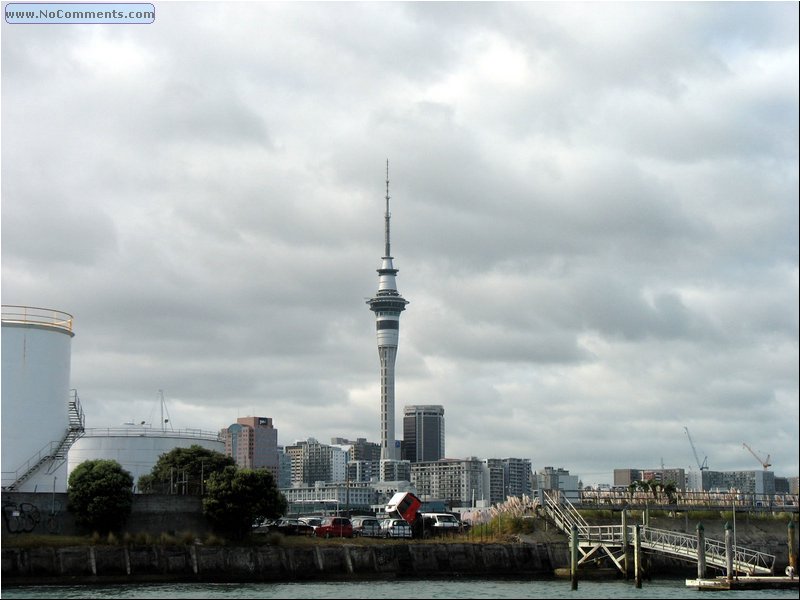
(423, 433)
(252, 442)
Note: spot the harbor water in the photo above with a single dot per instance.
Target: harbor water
(393, 589)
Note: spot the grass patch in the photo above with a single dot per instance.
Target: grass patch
(44, 541)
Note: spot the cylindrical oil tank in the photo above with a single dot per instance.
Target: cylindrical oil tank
(137, 449)
(36, 354)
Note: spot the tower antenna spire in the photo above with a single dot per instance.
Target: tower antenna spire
(388, 215)
(387, 305)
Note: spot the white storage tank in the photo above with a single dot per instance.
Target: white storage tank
(137, 448)
(36, 398)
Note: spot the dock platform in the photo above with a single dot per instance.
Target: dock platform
(745, 583)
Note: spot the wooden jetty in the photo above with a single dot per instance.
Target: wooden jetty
(754, 582)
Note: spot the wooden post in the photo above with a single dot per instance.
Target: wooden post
(701, 551)
(626, 548)
(637, 552)
(729, 551)
(792, 550)
(573, 553)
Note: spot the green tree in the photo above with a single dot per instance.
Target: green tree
(632, 489)
(183, 471)
(100, 495)
(670, 489)
(235, 498)
(655, 488)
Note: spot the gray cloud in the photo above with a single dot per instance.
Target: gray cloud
(594, 209)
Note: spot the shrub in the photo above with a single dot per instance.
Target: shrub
(100, 495)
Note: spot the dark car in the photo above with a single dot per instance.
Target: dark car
(366, 527)
(334, 527)
(291, 527)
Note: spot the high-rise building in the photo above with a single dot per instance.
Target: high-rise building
(459, 482)
(558, 480)
(423, 433)
(360, 449)
(387, 305)
(313, 461)
(252, 442)
(509, 477)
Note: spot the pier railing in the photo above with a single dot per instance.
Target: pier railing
(681, 545)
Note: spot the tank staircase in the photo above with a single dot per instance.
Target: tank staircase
(53, 454)
(612, 541)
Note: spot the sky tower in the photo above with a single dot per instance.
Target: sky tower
(387, 305)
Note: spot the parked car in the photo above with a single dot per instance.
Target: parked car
(435, 524)
(366, 527)
(334, 527)
(313, 521)
(396, 528)
(291, 527)
(261, 525)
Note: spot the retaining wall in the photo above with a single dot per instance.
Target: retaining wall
(42, 513)
(277, 563)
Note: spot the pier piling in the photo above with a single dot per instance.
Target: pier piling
(701, 551)
(637, 556)
(728, 551)
(573, 554)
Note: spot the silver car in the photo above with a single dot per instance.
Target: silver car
(366, 527)
(396, 528)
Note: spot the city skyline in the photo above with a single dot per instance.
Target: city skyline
(595, 208)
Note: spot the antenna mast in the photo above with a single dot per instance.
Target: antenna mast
(163, 408)
(388, 215)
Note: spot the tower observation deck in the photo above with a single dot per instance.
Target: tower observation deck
(387, 305)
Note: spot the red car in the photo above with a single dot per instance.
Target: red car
(334, 527)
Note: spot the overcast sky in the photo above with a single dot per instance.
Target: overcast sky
(594, 214)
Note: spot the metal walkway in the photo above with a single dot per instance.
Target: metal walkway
(598, 541)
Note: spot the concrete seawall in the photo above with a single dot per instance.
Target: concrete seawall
(95, 564)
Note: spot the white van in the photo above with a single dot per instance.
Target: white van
(440, 524)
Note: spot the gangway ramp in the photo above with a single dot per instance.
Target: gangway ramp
(612, 540)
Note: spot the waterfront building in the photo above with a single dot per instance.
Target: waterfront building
(625, 477)
(760, 482)
(495, 484)
(387, 305)
(551, 480)
(509, 477)
(457, 481)
(423, 433)
(360, 449)
(395, 470)
(329, 497)
(364, 470)
(252, 442)
(313, 461)
(284, 468)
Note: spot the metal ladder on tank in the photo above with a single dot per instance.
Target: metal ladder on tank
(53, 454)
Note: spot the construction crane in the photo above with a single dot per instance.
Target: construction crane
(702, 466)
(764, 463)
